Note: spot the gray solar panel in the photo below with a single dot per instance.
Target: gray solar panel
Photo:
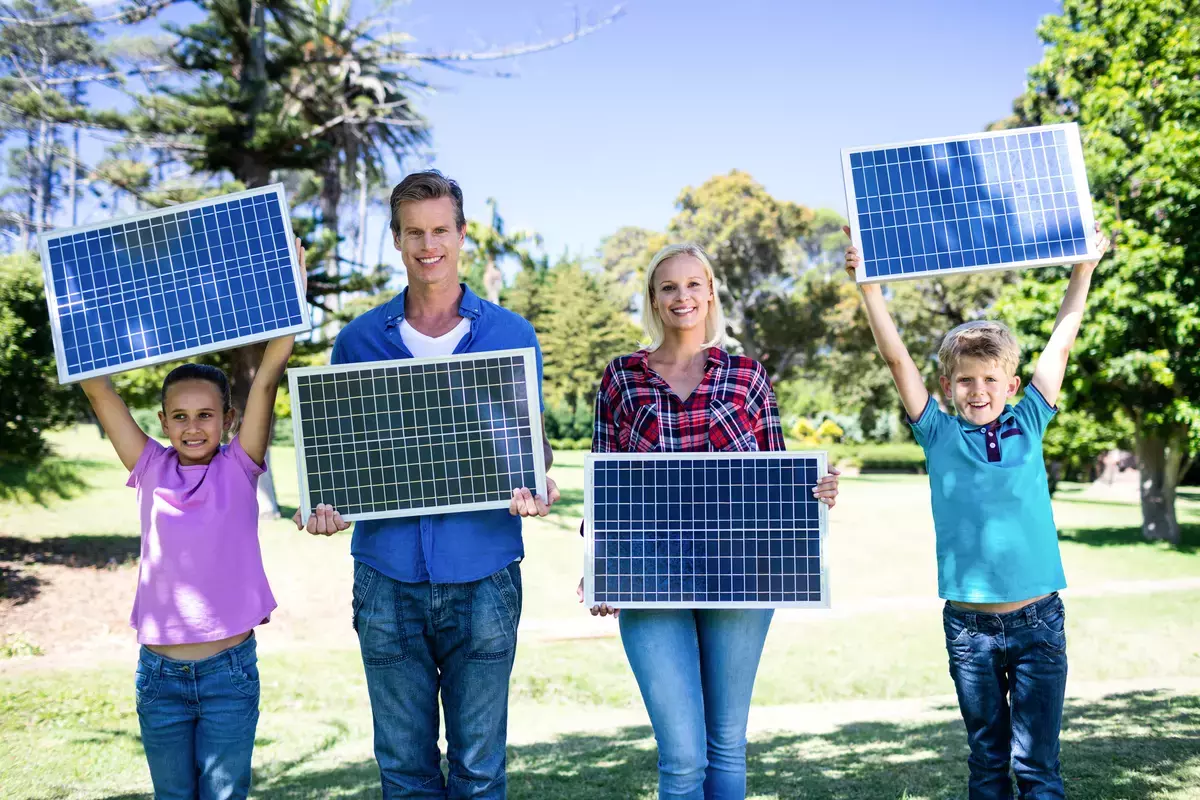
(419, 435)
(999, 200)
(173, 283)
(705, 530)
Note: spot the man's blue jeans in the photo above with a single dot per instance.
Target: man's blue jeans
(421, 638)
(696, 671)
(198, 720)
(1010, 672)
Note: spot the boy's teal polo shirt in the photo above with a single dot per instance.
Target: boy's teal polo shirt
(996, 538)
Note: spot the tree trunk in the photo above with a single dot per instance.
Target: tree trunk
(73, 187)
(1161, 451)
(361, 177)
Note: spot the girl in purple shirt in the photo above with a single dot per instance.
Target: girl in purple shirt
(201, 584)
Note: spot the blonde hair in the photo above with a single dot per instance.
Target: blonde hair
(652, 324)
(979, 339)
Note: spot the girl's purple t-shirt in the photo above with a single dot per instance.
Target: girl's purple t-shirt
(201, 575)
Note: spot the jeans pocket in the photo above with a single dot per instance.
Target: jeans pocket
(955, 629)
(243, 674)
(147, 682)
(379, 620)
(364, 578)
(495, 614)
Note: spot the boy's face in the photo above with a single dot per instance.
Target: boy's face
(429, 240)
(191, 418)
(979, 389)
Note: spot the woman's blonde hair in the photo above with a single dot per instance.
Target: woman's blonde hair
(652, 324)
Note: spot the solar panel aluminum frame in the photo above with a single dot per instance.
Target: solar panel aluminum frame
(528, 355)
(589, 576)
(44, 240)
(1082, 190)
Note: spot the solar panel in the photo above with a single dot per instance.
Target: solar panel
(704, 530)
(999, 200)
(418, 435)
(172, 283)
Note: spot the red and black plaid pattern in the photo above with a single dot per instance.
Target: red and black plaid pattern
(733, 408)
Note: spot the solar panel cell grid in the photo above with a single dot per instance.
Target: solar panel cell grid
(416, 436)
(174, 283)
(705, 530)
(969, 203)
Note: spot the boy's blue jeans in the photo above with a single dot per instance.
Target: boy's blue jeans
(696, 671)
(1010, 672)
(198, 720)
(421, 638)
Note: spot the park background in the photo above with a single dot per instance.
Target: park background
(586, 137)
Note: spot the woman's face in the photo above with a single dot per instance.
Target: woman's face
(682, 293)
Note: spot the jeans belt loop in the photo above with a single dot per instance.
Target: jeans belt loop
(973, 622)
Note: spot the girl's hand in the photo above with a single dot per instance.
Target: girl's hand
(826, 489)
(601, 610)
(324, 521)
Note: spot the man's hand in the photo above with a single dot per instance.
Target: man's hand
(526, 504)
(324, 521)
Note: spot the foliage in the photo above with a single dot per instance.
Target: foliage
(487, 245)
(623, 257)
(809, 434)
(1129, 72)
(579, 326)
(1076, 439)
(34, 400)
(891, 457)
(773, 304)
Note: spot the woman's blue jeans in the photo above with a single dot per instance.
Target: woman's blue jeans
(696, 671)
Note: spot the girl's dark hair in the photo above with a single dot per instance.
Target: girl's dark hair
(199, 372)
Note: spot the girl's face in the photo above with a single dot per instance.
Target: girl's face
(682, 293)
(193, 420)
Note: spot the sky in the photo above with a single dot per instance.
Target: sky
(608, 130)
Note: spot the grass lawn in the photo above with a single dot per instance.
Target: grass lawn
(850, 703)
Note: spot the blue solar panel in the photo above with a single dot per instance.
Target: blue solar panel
(704, 530)
(988, 201)
(172, 283)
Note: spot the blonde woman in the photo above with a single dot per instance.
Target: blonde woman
(684, 393)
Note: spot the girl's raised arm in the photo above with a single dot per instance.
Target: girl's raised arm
(127, 438)
(255, 432)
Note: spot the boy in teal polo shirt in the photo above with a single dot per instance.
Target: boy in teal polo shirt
(999, 568)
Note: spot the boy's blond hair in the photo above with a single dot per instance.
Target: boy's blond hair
(979, 339)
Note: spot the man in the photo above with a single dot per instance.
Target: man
(437, 598)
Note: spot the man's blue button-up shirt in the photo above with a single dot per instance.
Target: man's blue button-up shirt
(441, 548)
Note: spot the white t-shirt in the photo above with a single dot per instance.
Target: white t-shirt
(422, 346)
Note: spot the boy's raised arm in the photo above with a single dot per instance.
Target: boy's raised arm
(255, 432)
(907, 377)
(1052, 363)
(127, 438)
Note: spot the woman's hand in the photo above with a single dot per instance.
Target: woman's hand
(601, 610)
(826, 489)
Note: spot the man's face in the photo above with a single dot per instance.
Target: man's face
(429, 241)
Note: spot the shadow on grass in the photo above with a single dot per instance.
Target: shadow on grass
(1134, 746)
(1189, 534)
(83, 551)
(39, 483)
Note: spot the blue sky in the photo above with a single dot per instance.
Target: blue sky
(606, 131)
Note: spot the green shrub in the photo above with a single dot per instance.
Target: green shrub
(32, 399)
(887, 457)
(571, 444)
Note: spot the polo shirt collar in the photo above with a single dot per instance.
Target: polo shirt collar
(470, 306)
(1006, 416)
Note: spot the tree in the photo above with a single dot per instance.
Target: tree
(772, 303)
(35, 401)
(623, 258)
(489, 244)
(1126, 70)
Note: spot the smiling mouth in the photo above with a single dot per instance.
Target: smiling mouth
(682, 312)
(430, 261)
(194, 442)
